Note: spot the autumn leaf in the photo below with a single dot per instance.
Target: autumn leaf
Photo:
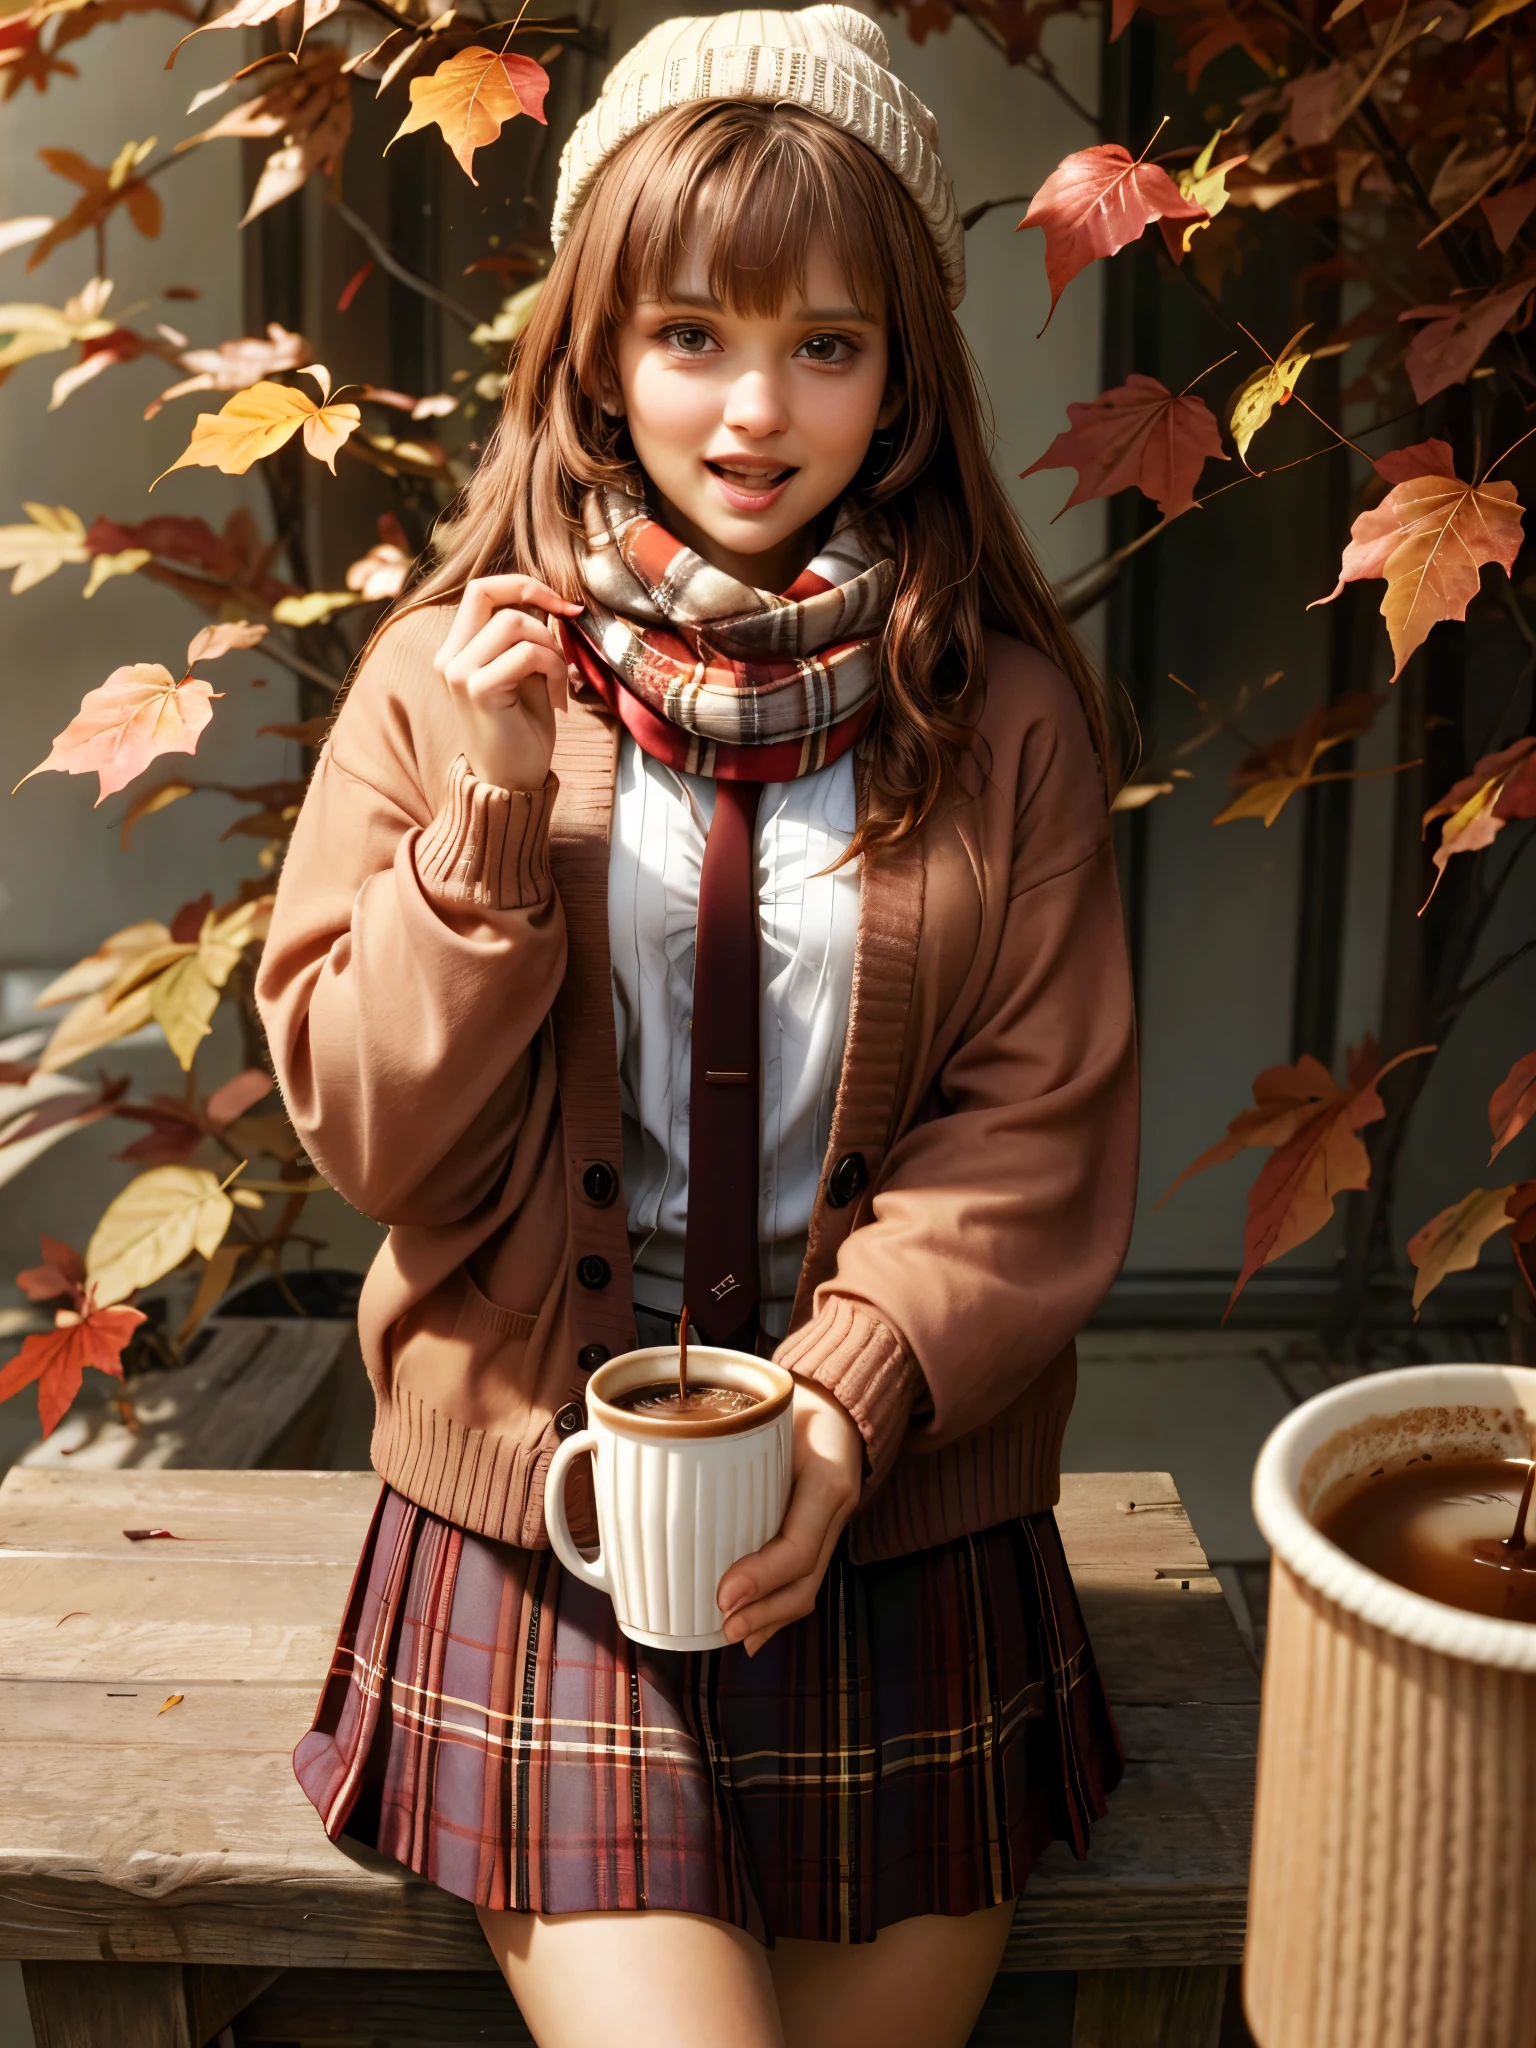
(257, 422)
(138, 713)
(249, 1087)
(105, 352)
(1477, 808)
(158, 1220)
(185, 993)
(56, 1359)
(253, 13)
(1430, 537)
(1453, 1241)
(471, 96)
(1313, 1125)
(29, 329)
(1204, 185)
(1095, 202)
(1451, 346)
(62, 1272)
(235, 365)
(312, 607)
(53, 537)
(1255, 399)
(308, 107)
(381, 573)
(1265, 780)
(105, 188)
(1138, 433)
(1512, 1104)
(1508, 211)
(15, 234)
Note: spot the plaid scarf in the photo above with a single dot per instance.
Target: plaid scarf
(716, 678)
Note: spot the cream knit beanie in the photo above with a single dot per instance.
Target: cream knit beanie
(832, 60)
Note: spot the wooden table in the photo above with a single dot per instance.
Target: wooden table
(158, 1870)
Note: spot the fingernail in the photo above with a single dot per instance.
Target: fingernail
(734, 1631)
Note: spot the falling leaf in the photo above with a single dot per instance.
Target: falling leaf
(158, 1220)
(57, 1358)
(1477, 808)
(1453, 1241)
(471, 96)
(309, 107)
(1095, 202)
(1140, 434)
(54, 537)
(137, 714)
(257, 422)
(1510, 1107)
(175, 1700)
(1256, 397)
(105, 187)
(1430, 537)
(1451, 346)
(1313, 1124)
(1509, 210)
(1265, 780)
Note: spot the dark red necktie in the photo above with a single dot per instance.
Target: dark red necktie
(721, 1283)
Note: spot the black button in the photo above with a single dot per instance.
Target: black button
(847, 1180)
(593, 1272)
(591, 1356)
(570, 1418)
(599, 1183)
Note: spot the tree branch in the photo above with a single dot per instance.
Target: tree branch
(386, 259)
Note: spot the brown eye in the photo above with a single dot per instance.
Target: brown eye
(826, 348)
(692, 341)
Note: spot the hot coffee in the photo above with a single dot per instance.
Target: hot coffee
(663, 1399)
(1453, 1531)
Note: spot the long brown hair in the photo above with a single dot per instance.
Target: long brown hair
(746, 186)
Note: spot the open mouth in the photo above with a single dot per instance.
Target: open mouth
(751, 484)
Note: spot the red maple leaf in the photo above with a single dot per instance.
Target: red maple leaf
(57, 1358)
(1095, 202)
(1140, 434)
(1450, 348)
(62, 1272)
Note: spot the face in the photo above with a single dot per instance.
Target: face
(750, 425)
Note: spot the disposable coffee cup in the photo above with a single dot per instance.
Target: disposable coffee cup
(679, 1500)
(1392, 1902)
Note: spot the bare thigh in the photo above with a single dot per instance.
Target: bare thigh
(646, 1980)
(919, 1984)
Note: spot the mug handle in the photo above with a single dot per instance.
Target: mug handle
(594, 1575)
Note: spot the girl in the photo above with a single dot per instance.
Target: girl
(733, 733)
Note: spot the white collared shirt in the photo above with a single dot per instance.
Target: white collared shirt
(809, 920)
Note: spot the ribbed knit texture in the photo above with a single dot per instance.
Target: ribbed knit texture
(487, 846)
(860, 1361)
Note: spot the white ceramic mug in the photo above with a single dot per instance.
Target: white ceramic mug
(678, 1501)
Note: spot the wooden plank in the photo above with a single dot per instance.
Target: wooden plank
(258, 1388)
(135, 2005)
(1156, 1642)
(292, 1518)
(391, 2009)
(1128, 1520)
(1149, 2008)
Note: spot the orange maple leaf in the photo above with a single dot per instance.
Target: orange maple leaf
(471, 97)
(1095, 202)
(1476, 809)
(141, 712)
(1140, 434)
(1313, 1124)
(1512, 1104)
(106, 187)
(258, 421)
(82, 1335)
(1430, 537)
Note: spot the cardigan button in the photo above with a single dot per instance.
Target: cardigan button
(570, 1419)
(599, 1183)
(593, 1272)
(591, 1356)
(847, 1180)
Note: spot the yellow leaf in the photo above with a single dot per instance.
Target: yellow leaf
(92, 1024)
(54, 536)
(186, 994)
(259, 421)
(157, 1221)
(1453, 1241)
(175, 1700)
(217, 1275)
(123, 564)
(31, 329)
(313, 607)
(471, 96)
(1135, 796)
(1257, 396)
(100, 969)
(1205, 187)
(1492, 11)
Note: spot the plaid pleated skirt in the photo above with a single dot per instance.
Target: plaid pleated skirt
(913, 1746)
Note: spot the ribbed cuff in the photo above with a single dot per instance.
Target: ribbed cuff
(861, 1363)
(488, 846)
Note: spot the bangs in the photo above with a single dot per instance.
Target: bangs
(746, 200)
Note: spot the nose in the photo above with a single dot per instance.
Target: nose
(755, 405)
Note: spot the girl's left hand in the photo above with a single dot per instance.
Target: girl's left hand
(779, 1583)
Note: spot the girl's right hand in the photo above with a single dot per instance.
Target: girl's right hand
(506, 676)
